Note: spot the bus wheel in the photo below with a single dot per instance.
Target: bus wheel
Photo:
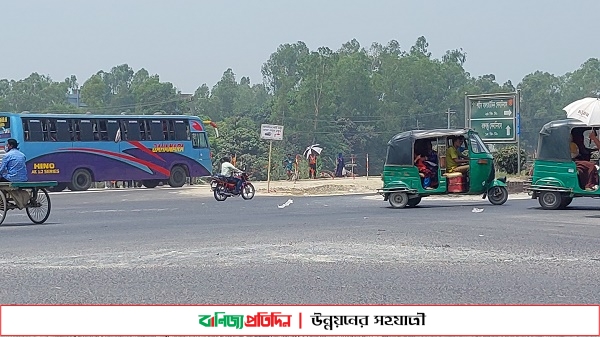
(178, 176)
(81, 181)
(150, 183)
(58, 188)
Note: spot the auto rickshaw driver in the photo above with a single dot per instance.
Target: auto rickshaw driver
(455, 161)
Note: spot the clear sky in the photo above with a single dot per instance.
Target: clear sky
(193, 42)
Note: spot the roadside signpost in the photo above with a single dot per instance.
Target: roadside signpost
(270, 132)
(496, 118)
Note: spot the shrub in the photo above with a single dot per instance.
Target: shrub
(506, 159)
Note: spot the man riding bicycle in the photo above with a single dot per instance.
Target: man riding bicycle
(13, 166)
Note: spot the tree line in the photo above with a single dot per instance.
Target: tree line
(350, 100)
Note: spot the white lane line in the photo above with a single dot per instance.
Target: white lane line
(129, 210)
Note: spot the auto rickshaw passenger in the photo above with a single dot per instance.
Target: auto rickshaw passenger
(577, 138)
(431, 161)
(594, 138)
(587, 173)
(453, 157)
(424, 171)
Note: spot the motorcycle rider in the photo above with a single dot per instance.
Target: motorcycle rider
(227, 170)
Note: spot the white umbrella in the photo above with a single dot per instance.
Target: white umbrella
(586, 110)
(312, 149)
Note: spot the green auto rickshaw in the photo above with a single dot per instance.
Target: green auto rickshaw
(404, 184)
(555, 179)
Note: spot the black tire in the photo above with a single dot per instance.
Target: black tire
(39, 212)
(550, 200)
(413, 202)
(150, 183)
(398, 199)
(218, 193)
(3, 207)
(81, 180)
(58, 188)
(566, 201)
(497, 195)
(178, 176)
(248, 191)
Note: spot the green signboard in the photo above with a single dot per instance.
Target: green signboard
(492, 108)
(495, 129)
(493, 117)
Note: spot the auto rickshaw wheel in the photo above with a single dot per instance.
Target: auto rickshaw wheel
(550, 199)
(398, 199)
(566, 201)
(413, 202)
(498, 195)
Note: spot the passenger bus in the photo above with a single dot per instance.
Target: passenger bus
(79, 149)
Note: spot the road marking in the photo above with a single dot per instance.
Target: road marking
(105, 190)
(129, 210)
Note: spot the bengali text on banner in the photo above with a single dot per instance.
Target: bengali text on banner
(281, 320)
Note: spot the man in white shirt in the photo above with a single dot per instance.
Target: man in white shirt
(227, 170)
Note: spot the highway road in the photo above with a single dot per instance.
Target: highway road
(172, 246)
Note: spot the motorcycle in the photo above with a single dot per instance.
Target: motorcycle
(222, 188)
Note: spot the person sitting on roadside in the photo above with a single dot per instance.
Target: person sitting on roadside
(454, 160)
(227, 170)
(13, 167)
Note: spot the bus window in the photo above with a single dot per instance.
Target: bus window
(102, 134)
(25, 130)
(166, 126)
(180, 130)
(170, 130)
(52, 130)
(144, 132)
(62, 131)
(35, 130)
(124, 129)
(133, 130)
(156, 131)
(86, 131)
(199, 140)
(45, 129)
(112, 126)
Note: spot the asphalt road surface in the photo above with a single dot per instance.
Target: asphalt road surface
(167, 246)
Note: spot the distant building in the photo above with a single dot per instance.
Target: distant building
(74, 98)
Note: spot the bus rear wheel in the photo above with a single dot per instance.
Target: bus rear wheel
(81, 181)
(150, 183)
(178, 176)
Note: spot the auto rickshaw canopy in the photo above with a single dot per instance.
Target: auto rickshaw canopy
(400, 147)
(554, 139)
